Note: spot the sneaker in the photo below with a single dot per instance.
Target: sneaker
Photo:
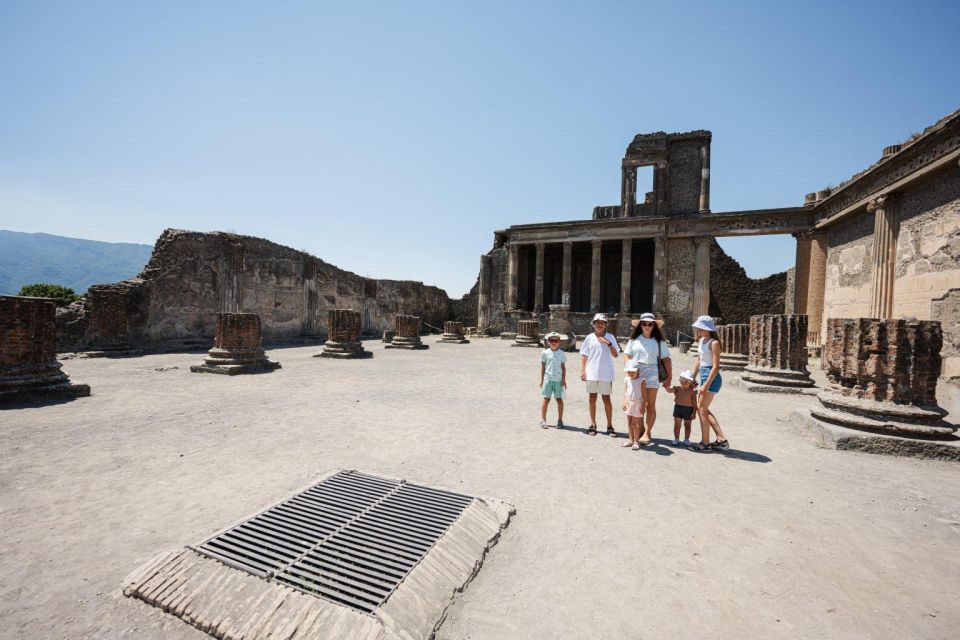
(686, 443)
(559, 424)
(543, 425)
(675, 442)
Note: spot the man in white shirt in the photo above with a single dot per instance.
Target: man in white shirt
(597, 357)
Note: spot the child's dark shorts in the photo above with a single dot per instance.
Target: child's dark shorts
(684, 413)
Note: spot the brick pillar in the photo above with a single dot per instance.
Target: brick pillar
(453, 333)
(407, 333)
(816, 283)
(735, 340)
(29, 369)
(595, 276)
(343, 335)
(528, 333)
(802, 274)
(626, 275)
(512, 277)
(705, 179)
(778, 355)
(660, 274)
(884, 257)
(237, 347)
(701, 277)
(882, 377)
(538, 286)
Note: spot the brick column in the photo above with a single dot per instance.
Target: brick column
(528, 334)
(406, 333)
(660, 274)
(343, 335)
(512, 277)
(778, 355)
(816, 283)
(802, 274)
(567, 270)
(735, 340)
(882, 377)
(884, 257)
(538, 286)
(701, 277)
(453, 333)
(29, 369)
(237, 347)
(626, 275)
(595, 276)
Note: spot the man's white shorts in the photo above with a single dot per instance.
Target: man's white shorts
(603, 387)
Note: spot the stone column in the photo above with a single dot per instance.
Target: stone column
(29, 369)
(626, 275)
(513, 264)
(559, 321)
(237, 347)
(778, 355)
(705, 179)
(406, 333)
(528, 334)
(735, 340)
(453, 333)
(884, 257)
(882, 377)
(816, 283)
(483, 301)
(538, 286)
(595, 276)
(567, 270)
(660, 273)
(628, 190)
(701, 276)
(790, 291)
(343, 335)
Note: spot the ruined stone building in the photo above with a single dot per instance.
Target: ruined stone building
(884, 244)
(193, 276)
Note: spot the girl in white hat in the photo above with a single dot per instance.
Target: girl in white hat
(633, 390)
(708, 367)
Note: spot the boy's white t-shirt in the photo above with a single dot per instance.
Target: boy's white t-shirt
(644, 350)
(599, 359)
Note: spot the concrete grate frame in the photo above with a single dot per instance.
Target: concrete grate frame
(365, 556)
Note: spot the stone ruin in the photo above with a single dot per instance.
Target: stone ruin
(29, 370)
(407, 334)
(883, 377)
(453, 333)
(778, 355)
(559, 321)
(735, 340)
(237, 347)
(528, 334)
(343, 335)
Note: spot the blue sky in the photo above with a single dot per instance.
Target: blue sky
(393, 138)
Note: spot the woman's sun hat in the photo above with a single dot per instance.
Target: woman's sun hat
(599, 317)
(647, 317)
(706, 323)
(631, 365)
(686, 374)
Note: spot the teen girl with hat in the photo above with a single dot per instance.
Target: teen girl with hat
(708, 367)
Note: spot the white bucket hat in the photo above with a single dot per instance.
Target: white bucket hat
(686, 374)
(552, 334)
(647, 317)
(600, 316)
(706, 323)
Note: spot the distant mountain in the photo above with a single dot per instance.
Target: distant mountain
(27, 258)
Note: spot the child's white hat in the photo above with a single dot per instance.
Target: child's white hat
(686, 374)
(598, 317)
(631, 365)
(552, 334)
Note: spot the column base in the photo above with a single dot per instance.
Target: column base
(236, 369)
(908, 421)
(343, 351)
(526, 341)
(64, 390)
(733, 362)
(412, 344)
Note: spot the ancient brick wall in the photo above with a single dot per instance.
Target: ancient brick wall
(735, 297)
(192, 276)
(28, 333)
(238, 332)
(684, 180)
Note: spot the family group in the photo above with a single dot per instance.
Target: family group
(647, 367)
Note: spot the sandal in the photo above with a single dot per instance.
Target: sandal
(644, 441)
(611, 432)
(628, 444)
(699, 446)
(722, 445)
(636, 446)
(592, 431)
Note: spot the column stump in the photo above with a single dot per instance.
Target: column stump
(453, 333)
(735, 339)
(407, 334)
(237, 347)
(559, 321)
(778, 355)
(883, 377)
(29, 369)
(388, 335)
(528, 334)
(343, 336)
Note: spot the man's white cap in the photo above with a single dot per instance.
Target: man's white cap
(706, 323)
(600, 316)
(686, 374)
(631, 365)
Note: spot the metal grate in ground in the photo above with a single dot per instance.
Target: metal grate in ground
(351, 538)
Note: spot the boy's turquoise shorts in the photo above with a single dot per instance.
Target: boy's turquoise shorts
(553, 388)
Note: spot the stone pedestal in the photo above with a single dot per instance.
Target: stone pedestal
(453, 333)
(559, 321)
(407, 333)
(29, 369)
(778, 355)
(883, 377)
(735, 339)
(237, 347)
(388, 336)
(343, 335)
(528, 334)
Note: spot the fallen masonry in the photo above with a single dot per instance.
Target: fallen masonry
(237, 347)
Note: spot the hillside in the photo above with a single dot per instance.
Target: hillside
(26, 258)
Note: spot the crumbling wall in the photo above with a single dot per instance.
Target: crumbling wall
(849, 265)
(734, 296)
(193, 276)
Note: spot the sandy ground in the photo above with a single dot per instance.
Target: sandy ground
(776, 539)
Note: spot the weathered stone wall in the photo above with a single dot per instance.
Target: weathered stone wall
(684, 176)
(849, 262)
(736, 297)
(681, 258)
(192, 276)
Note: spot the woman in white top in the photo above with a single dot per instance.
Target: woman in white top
(646, 346)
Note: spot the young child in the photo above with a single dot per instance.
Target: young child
(684, 407)
(553, 368)
(634, 388)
